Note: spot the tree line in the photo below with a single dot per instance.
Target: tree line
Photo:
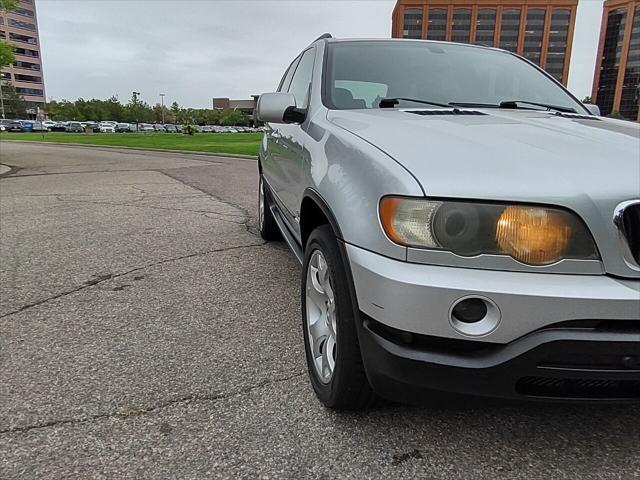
(139, 111)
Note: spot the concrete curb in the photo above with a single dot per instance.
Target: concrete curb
(143, 149)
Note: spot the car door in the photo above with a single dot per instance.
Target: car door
(272, 164)
(287, 141)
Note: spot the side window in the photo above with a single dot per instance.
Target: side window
(302, 78)
(286, 80)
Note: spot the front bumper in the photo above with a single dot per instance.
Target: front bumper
(560, 364)
(561, 337)
(418, 298)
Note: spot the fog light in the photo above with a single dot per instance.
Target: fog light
(471, 310)
(474, 315)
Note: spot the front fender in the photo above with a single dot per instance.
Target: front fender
(351, 176)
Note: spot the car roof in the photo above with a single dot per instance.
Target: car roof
(332, 40)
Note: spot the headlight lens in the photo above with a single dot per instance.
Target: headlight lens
(533, 235)
(530, 234)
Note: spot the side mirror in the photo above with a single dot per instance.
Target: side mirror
(593, 109)
(279, 108)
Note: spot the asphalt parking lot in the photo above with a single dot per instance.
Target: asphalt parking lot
(146, 331)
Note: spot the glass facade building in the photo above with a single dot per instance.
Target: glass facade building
(20, 28)
(616, 86)
(539, 30)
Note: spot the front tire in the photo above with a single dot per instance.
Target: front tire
(329, 320)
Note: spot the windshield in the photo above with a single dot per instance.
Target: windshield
(361, 73)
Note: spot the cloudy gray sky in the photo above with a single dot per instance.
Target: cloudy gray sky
(195, 50)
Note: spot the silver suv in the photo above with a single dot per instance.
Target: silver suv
(464, 223)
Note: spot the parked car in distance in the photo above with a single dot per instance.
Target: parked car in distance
(38, 126)
(463, 222)
(158, 127)
(146, 127)
(10, 125)
(124, 127)
(26, 125)
(74, 127)
(179, 128)
(58, 127)
(170, 128)
(107, 127)
(49, 123)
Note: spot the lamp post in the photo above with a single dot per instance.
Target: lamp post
(162, 100)
(1, 99)
(135, 108)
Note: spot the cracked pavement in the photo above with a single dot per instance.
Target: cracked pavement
(146, 331)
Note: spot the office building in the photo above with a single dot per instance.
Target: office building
(20, 28)
(616, 85)
(246, 106)
(539, 30)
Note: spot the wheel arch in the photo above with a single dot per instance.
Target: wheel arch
(314, 212)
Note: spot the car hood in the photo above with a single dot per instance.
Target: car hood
(587, 164)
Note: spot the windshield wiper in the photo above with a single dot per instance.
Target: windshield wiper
(393, 101)
(513, 104)
(474, 104)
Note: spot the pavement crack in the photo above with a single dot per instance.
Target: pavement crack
(136, 412)
(248, 217)
(206, 213)
(103, 278)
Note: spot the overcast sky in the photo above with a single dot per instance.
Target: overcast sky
(195, 50)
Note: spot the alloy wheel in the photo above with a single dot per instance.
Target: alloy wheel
(321, 316)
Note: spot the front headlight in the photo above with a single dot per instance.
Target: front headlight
(531, 234)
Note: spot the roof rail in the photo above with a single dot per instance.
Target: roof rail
(323, 36)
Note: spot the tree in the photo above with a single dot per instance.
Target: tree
(158, 117)
(62, 110)
(14, 104)
(7, 56)
(616, 114)
(210, 116)
(8, 4)
(112, 109)
(137, 110)
(232, 117)
(175, 109)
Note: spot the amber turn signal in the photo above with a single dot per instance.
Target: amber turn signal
(388, 208)
(533, 235)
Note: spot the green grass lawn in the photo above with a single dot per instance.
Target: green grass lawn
(234, 143)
